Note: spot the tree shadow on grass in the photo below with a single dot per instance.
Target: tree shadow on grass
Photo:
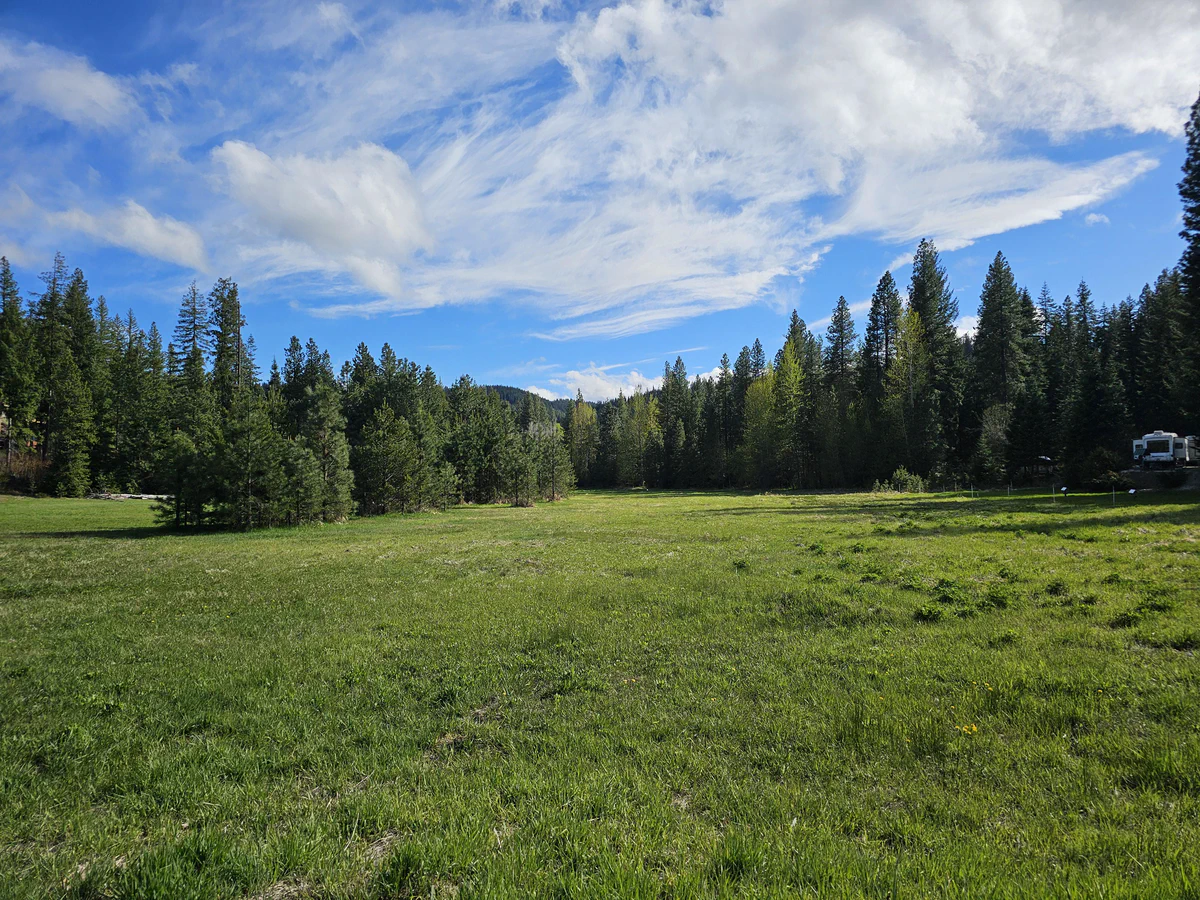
(140, 532)
(945, 516)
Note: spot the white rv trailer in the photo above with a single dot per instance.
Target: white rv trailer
(1166, 448)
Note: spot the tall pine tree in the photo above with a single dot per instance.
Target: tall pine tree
(1189, 266)
(930, 296)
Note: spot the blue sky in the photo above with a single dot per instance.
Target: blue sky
(560, 195)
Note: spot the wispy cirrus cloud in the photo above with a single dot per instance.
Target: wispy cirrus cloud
(615, 170)
(672, 176)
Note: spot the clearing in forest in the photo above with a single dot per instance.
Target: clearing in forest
(623, 694)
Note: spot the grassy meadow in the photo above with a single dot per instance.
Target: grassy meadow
(620, 695)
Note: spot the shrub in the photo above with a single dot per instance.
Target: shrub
(901, 482)
(27, 472)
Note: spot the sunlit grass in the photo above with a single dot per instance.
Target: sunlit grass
(631, 694)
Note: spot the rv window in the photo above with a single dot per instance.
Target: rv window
(1158, 446)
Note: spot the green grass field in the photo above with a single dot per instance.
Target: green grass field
(621, 695)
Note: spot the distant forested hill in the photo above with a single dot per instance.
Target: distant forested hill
(514, 397)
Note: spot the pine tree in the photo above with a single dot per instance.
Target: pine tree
(188, 465)
(879, 343)
(677, 423)
(841, 363)
(757, 456)
(758, 360)
(129, 421)
(361, 393)
(610, 418)
(1111, 410)
(910, 404)
(387, 462)
(156, 398)
(305, 370)
(304, 488)
(50, 341)
(1005, 325)
(930, 296)
(1189, 265)
(641, 442)
(721, 424)
(816, 401)
(191, 328)
(1162, 387)
(992, 450)
(1085, 433)
(225, 341)
(71, 430)
(252, 486)
(1029, 435)
(841, 358)
(518, 468)
(583, 437)
(324, 434)
(743, 376)
(104, 397)
(788, 411)
(18, 393)
(81, 327)
(445, 486)
(552, 461)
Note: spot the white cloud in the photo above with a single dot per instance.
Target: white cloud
(1095, 219)
(674, 179)
(15, 254)
(133, 227)
(410, 65)
(712, 374)
(62, 84)
(904, 259)
(960, 203)
(310, 29)
(359, 211)
(966, 325)
(543, 392)
(636, 165)
(598, 383)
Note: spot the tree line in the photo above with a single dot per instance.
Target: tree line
(91, 401)
(1041, 383)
